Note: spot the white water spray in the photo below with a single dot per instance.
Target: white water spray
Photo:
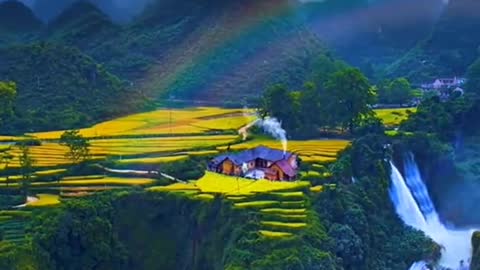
(414, 206)
(273, 127)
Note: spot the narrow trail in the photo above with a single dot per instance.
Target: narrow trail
(143, 173)
(243, 131)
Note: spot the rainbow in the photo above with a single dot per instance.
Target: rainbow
(236, 43)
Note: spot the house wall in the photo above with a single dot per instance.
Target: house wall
(227, 167)
(293, 161)
(237, 170)
(279, 175)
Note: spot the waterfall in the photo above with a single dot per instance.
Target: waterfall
(415, 207)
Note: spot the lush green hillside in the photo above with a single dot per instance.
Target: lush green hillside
(59, 87)
(448, 50)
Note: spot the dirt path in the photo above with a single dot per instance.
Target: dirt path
(244, 130)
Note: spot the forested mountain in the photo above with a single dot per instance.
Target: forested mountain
(59, 87)
(449, 49)
(227, 52)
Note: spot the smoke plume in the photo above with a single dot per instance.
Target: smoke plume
(273, 127)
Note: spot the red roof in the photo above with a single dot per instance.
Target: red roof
(286, 167)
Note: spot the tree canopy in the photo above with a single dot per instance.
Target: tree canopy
(78, 146)
(8, 92)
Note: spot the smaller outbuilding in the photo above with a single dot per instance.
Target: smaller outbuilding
(257, 163)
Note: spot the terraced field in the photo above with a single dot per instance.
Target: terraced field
(282, 206)
(393, 117)
(165, 122)
(309, 151)
(51, 154)
(12, 225)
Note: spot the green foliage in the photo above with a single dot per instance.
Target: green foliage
(344, 101)
(349, 96)
(473, 79)
(8, 92)
(70, 90)
(398, 91)
(78, 146)
(475, 264)
(26, 168)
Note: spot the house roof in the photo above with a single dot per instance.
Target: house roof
(261, 152)
(286, 167)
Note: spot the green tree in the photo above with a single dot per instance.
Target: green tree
(26, 168)
(5, 159)
(77, 144)
(349, 97)
(280, 103)
(473, 79)
(309, 107)
(8, 92)
(398, 91)
(475, 251)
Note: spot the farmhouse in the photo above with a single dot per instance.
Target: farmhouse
(257, 163)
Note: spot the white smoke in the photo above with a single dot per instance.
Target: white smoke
(273, 127)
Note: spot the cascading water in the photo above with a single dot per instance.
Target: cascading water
(414, 206)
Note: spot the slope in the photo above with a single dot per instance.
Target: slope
(59, 87)
(449, 50)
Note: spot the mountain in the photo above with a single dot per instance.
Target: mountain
(213, 50)
(18, 18)
(118, 10)
(59, 88)
(81, 25)
(450, 48)
(373, 34)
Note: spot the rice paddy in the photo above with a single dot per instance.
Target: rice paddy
(165, 136)
(321, 151)
(164, 122)
(45, 200)
(393, 117)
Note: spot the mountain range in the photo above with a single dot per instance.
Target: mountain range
(226, 52)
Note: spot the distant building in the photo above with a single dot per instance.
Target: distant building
(444, 83)
(257, 163)
(444, 87)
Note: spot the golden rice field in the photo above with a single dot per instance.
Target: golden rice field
(219, 183)
(51, 154)
(164, 121)
(45, 200)
(309, 151)
(154, 160)
(393, 117)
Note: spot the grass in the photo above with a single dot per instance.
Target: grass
(393, 117)
(284, 225)
(272, 234)
(45, 200)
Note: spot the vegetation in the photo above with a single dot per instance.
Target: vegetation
(78, 146)
(343, 101)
